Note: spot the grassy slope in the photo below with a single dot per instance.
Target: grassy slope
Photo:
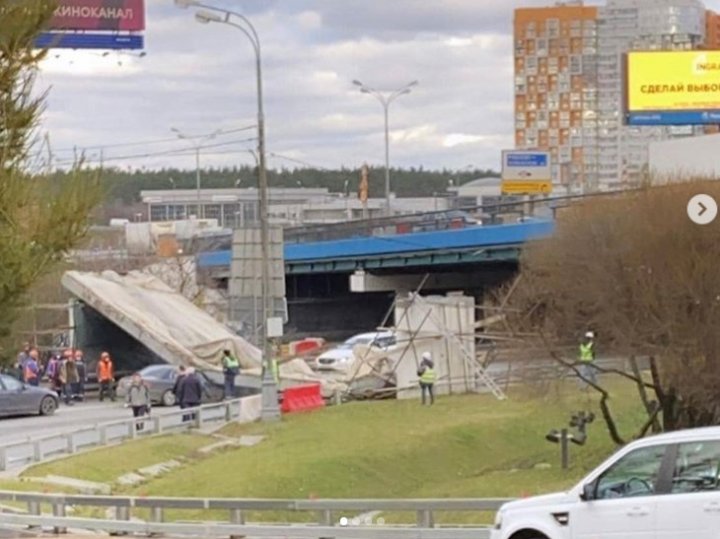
(107, 464)
(463, 446)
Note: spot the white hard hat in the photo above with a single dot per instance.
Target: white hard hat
(426, 355)
(590, 335)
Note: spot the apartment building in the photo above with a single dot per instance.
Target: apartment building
(580, 118)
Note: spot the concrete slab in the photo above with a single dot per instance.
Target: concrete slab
(131, 479)
(250, 441)
(159, 469)
(83, 487)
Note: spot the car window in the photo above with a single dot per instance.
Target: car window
(696, 467)
(157, 371)
(10, 383)
(384, 342)
(635, 474)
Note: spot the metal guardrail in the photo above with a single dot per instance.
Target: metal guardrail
(326, 510)
(35, 450)
(239, 530)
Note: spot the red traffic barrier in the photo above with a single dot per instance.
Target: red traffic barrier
(302, 398)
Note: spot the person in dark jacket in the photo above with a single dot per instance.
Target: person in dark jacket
(79, 389)
(190, 392)
(178, 381)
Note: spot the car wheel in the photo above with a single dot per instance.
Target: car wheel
(168, 398)
(48, 406)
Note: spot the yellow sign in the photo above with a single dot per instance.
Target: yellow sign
(673, 81)
(512, 187)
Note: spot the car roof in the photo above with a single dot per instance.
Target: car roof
(383, 333)
(680, 436)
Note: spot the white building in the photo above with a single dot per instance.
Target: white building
(684, 158)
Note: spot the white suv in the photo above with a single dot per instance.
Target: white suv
(661, 487)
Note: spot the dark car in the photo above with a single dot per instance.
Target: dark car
(160, 379)
(17, 398)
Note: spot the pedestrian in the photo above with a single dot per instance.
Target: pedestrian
(79, 389)
(427, 376)
(52, 371)
(231, 368)
(68, 376)
(31, 369)
(106, 377)
(22, 358)
(138, 398)
(587, 360)
(178, 381)
(191, 392)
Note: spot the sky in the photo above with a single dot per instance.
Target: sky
(200, 78)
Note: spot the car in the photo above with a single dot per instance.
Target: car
(664, 487)
(17, 398)
(339, 358)
(160, 379)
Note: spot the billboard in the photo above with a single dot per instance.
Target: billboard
(526, 172)
(60, 40)
(673, 87)
(113, 15)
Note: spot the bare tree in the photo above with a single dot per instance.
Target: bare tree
(637, 271)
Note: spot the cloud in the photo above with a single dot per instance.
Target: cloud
(201, 77)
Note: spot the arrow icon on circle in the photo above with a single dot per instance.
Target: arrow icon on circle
(703, 208)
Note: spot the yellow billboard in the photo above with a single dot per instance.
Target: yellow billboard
(673, 81)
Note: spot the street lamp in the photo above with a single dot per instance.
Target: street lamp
(197, 143)
(211, 14)
(386, 98)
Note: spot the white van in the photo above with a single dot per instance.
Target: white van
(661, 487)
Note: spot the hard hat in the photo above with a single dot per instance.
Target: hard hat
(590, 335)
(426, 355)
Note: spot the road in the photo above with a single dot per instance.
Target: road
(65, 419)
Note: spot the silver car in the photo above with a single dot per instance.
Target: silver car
(17, 398)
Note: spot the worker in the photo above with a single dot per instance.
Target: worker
(231, 368)
(587, 359)
(427, 376)
(106, 377)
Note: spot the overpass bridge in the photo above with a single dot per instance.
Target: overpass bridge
(337, 286)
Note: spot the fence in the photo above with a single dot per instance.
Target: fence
(326, 510)
(21, 453)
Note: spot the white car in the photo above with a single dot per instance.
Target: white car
(339, 358)
(661, 487)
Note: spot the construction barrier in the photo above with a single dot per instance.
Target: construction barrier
(302, 398)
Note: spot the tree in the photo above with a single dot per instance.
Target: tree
(640, 274)
(40, 218)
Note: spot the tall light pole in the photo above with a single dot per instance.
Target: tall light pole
(386, 98)
(270, 408)
(197, 144)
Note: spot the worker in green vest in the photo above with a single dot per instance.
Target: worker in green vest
(231, 368)
(427, 376)
(587, 359)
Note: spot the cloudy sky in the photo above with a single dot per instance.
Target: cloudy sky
(201, 78)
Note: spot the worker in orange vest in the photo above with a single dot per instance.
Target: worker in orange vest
(106, 377)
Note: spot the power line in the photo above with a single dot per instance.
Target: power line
(146, 142)
(167, 153)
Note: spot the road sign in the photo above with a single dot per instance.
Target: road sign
(526, 172)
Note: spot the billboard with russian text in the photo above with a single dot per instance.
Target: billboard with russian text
(111, 15)
(673, 87)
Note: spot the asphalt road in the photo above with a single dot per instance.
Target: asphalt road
(65, 419)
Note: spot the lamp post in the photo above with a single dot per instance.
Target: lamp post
(386, 98)
(197, 143)
(270, 408)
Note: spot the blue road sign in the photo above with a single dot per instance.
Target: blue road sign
(527, 159)
(60, 40)
(686, 117)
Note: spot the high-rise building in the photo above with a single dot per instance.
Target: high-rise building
(592, 148)
(555, 86)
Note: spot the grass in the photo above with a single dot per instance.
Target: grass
(464, 446)
(105, 465)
